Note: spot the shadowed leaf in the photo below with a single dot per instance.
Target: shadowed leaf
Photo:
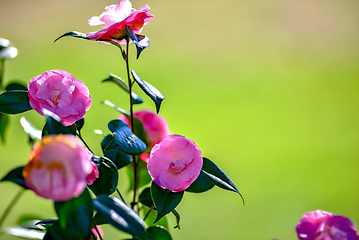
(14, 102)
(15, 176)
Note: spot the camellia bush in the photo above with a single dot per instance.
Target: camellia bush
(61, 167)
(82, 184)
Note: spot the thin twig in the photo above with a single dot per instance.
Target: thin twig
(118, 192)
(149, 211)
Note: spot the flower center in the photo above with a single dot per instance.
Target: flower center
(176, 166)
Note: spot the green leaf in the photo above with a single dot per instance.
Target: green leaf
(201, 184)
(178, 218)
(15, 86)
(145, 197)
(53, 125)
(150, 91)
(108, 176)
(14, 102)
(158, 233)
(165, 200)
(108, 103)
(218, 177)
(4, 120)
(79, 124)
(119, 215)
(122, 84)
(75, 215)
(73, 34)
(55, 232)
(15, 176)
(152, 217)
(25, 233)
(120, 158)
(140, 41)
(124, 139)
(33, 132)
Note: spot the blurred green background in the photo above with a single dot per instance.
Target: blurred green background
(267, 89)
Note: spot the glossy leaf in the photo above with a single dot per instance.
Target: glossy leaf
(108, 103)
(15, 176)
(15, 86)
(75, 215)
(4, 121)
(140, 41)
(119, 215)
(145, 197)
(124, 139)
(201, 184)
(34, 133)
(122, 84)
(55, 232)
(158, 233)
(79, 124)
(53, 125)
(165, 200)
(73, 34)
(14, 102)
(120, 158)
(150, 91)
(108, 176)
(25, 233)
(218, 176)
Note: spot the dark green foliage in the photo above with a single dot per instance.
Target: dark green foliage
(108, 176)
(158, 233)
(150, 91)
(15, 86)
(119, 215)
(124, 139)
(201, 184)
(75, 215)
(120, 158)
(122, 84)
(14, 102)
(15, 176)
(165, 200)
(218, 177)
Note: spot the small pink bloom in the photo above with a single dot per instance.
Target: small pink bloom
(154, 125)
(59, 92)
(321, 225)
(93, 175)
(175, 163)
(115, 18)
(58, 168)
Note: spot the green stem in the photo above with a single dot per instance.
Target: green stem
(133, 203)
(11, 205)
(2, 70)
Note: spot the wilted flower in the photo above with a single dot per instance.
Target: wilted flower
(321, 225)
(59, 92)
(175, 163)
(115, 18)
(155, 126)
(58, 167)
(7, 51)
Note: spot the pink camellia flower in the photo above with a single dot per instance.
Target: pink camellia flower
(59, 92)
(58, 168)
(154, 125)
(175, 163)
(115, 18)
(93, 175)
(321, 225)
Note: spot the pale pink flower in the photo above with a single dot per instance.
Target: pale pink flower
(58, 167)
(175, 163)
(155, 126)
(59, 92)
(321, 225)
(115, 18)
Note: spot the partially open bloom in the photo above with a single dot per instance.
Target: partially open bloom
(58, 168)
(59, 92)
(155, 126)
(115, 18)
(175, 163)
(321, 225)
